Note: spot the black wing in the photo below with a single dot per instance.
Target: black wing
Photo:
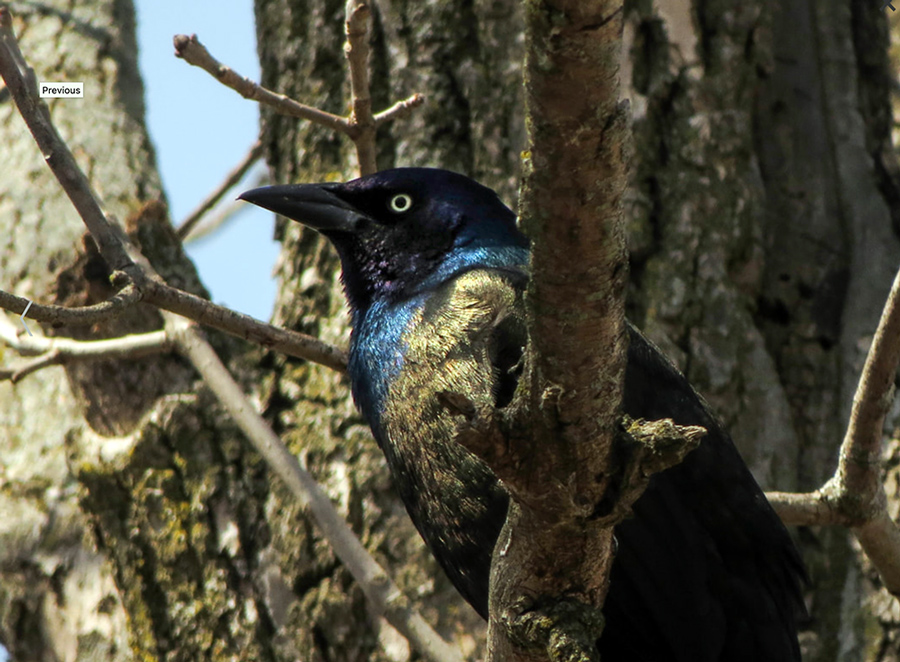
(705, 569)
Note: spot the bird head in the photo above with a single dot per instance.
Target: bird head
(400, 231)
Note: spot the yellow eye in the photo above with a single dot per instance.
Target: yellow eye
(400, 203)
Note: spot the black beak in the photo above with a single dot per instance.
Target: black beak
(313, 205)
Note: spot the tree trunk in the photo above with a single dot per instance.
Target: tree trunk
(763, 246)
(58, 600)
(120, 485)
(471, 122)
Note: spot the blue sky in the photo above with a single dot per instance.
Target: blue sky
(201, 129)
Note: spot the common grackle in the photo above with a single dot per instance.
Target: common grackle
(434, 270)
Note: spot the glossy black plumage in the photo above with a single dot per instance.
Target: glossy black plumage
(434, 269)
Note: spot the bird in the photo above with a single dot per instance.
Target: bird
(434, 270)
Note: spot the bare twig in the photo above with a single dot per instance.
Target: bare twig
(357, 51)
(16, 373)
(230, 180)
(880, 539)
(399, 110)
(193, 52)
(383, 594)
(359, 127)
(860, 459)
(22, 84)
(54, 351)
(62, 316)
(806, 509)
(157, 293)
(243, 326)
(220, 216)
(855, 495)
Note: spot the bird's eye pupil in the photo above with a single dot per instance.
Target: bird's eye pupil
(400, 203)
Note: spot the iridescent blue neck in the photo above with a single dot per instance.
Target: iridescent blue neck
(466, 258)
(377, 346)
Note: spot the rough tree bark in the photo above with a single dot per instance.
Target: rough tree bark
(123, 491)
(471, 122)
(763, 226)
(57, 595)
(763, 246)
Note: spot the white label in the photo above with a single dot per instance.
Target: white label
(61, 90)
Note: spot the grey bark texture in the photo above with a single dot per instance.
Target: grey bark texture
(763, 224)
(58, 600)
(118, 484)
(763, 246)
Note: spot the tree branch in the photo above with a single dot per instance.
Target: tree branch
(232, 178)
(55, 351)
(62, 316)
(193, 307)
(157, 293)
(858, 475)
(113, 244)
(221, 215)
(855, 495)
(565, 428)
(357, 51)
(193, 52)
(360, 126)
(809, 509)
(399, 110)
(243, 326)
(22, 84)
